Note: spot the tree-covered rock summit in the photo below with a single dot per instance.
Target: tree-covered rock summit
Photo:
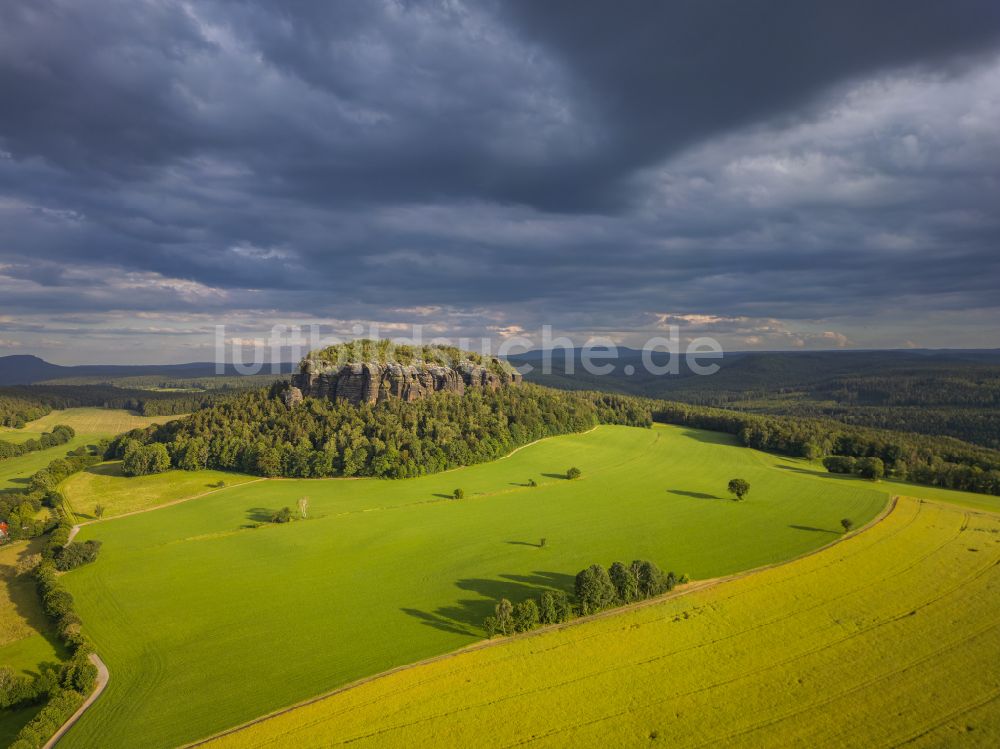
(373, 371)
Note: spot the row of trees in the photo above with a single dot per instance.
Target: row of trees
(596, 588)
(552, 607)
(60, 435)
(64, 688)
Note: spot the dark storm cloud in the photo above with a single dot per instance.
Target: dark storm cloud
(584, 164)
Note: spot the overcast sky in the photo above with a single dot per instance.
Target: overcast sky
(778, 174)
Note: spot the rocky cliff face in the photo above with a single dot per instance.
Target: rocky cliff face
(372, 382)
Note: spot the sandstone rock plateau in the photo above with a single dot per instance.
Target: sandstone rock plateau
(373, 382)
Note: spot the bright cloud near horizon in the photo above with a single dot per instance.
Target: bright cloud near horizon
(777, 175)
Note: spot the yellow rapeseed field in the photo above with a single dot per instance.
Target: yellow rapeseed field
(889, 638)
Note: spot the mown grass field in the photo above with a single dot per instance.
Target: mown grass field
(103, 422)
(887, 639)
(206, 621)
(104, 484)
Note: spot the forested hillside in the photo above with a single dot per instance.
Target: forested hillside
(257, 433)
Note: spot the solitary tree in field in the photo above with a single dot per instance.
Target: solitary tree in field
(573, 473)
(739, 488)
(99, 512)
(542, 542)
(459, 494)
(303, 505)
(532, 482)
(848, 524)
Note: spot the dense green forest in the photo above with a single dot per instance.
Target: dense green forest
(16, 411)
(37, 400)
(258, 434)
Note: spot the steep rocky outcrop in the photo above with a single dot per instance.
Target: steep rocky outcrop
(373, 382)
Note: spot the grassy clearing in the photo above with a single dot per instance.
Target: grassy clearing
(26, 639)
(14, 472)
(888, 638)
(93, 421)
(104, 484)
(206, 621)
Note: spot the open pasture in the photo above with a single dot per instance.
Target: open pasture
(887, 639)
(103, 422)
(104, 484)
(208, 615)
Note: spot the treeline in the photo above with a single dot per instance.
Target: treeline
(596, 588)
(15, 412)
(62, 688)
(937, 461)
(60, 435)
(256, 433)
(18, 507)
(145, 402)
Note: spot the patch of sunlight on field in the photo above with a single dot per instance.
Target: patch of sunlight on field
(104, 484)
(889, 637)
(105, 422)
(384, 573)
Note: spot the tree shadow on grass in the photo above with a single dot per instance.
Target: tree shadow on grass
(695, 495)
(824, 473)
(524, 543)
(260, 514)
(444, 496)
(710, 438)
(106, 469)
(811, 528)
(556, 476)
(466, 615)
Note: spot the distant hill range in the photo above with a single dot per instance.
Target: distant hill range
(761, 371)
(27, 370)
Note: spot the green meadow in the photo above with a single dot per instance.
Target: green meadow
(859, 645)
(208, 615)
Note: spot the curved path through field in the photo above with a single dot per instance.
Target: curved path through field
(102, 681)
